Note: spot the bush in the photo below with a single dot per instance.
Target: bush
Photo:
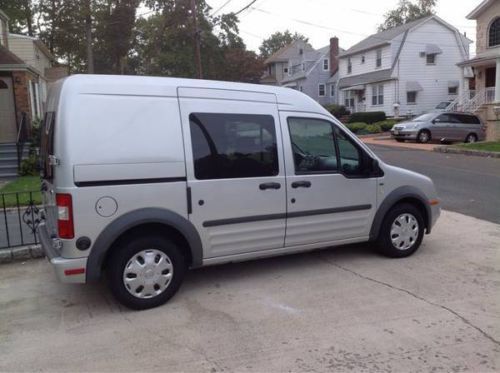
(368, 117)
(373, 128)
(337, 110)
(356, 127)
(30, 166)
(387, 124)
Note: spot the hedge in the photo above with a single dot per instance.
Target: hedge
(337, 110)
(356, 127)
(386, 125)
(367, 117)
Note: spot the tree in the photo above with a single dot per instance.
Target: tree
(407, 11)
(279, 40)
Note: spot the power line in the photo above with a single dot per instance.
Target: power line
(245, 7)
(220, 8)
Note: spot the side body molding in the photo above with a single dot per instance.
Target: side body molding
(133, 219)
(392, 198)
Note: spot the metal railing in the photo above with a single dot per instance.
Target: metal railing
(22, 137)
(19, 218)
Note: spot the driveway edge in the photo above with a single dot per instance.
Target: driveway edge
(21, 253)
(477, 153)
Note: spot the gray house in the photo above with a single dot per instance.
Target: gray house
(299, 66)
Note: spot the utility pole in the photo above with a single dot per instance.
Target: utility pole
(197, 50)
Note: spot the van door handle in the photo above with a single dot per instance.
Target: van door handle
(265, 186)
(301, 184)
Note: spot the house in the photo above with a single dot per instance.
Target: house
(405, 70)
(299, 66)
(481, 93)
(26, 68)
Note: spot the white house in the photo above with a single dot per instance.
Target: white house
(405, 70)
(299, 66)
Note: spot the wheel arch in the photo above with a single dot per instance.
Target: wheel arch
(169, 223)
(408, 194)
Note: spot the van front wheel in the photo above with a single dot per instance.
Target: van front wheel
(401, 232)
(145, 272)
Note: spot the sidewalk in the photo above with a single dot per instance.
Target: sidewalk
(386, 140)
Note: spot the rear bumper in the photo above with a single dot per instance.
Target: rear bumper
(67, 270)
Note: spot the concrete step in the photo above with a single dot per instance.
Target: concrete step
(8, 176)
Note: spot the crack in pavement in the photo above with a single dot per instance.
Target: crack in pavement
(456, 314)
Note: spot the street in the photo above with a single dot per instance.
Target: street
(342, 309)
(466, 184)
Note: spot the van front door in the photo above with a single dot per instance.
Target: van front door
(329, 198)
(235, 170)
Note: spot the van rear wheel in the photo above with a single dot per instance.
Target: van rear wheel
(145, 272)
(471, 138)
(424, 137)
(402, 231)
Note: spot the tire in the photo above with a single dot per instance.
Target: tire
(423, 137)
(388, 242)
(160, 271)
(471, 138)
(400, 140)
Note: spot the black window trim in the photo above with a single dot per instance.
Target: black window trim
(339, 171)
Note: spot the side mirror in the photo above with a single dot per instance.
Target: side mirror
(436, 121)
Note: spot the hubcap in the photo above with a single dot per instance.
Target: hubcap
(148, 273)
(424, 137)
(404, 231)
(471, 138)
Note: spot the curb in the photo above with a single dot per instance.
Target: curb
(477, 153)
(21, 253)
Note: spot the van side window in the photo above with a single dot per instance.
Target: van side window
(349, 153)
(227, 146)
(313, 145)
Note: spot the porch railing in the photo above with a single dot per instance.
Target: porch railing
(19, 218)
(490, 95)
(22, 137)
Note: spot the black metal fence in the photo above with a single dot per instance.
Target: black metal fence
(20, 212)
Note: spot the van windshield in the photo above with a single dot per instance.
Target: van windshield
(47, 144)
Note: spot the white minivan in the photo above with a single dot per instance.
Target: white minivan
(145, 177)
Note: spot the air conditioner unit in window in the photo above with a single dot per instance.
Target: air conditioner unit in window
(422, 54)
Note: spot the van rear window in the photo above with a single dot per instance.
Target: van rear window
(47, 145)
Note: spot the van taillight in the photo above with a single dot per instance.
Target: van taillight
(65, 215)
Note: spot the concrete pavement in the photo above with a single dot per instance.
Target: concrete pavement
(342, 309)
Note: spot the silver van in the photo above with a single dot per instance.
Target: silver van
(146, 177)
(445, 127)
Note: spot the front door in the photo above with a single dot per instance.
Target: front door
(329, 200)
(235, 169)
(7, 111)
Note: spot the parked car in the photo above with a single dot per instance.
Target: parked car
(442, 106)
(445, 127)
(145, 177)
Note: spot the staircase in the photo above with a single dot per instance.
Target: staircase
(471, 103)
(8, 160)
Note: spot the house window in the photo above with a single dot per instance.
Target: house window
(303, 67)
(494, 33)
(332, 90)
(230, 146)
(326, 64)
(321, 90)
(349, 65)
(452, 90)
(378, 94)
(411, 98)
(379, 57)
(431, 59)
(349, 99)
(362, 59)
(301, 89)
(285, 70)
(269, 70)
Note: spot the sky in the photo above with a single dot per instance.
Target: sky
(349, 20)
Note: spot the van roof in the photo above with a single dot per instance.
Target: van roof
(287, 99)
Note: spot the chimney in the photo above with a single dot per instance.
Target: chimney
(334, 55)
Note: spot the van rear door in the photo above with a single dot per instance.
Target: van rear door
(47, 172)
(235, 170)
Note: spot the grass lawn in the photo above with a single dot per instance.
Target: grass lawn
(23, 185)
(491, 146)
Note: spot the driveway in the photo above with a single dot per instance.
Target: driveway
(341, 309)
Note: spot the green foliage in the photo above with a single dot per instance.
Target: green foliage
(337, 110)
(30, 166)
(367, 117)
(356, 127)
(407, 11)
(22, 185)
(279, 40)
(387, 124)
(373, 128)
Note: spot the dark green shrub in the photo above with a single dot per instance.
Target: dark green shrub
(337, 110)
(30, 166)
(387, 124)
(356, 127)
(367, 117)
(373, 128)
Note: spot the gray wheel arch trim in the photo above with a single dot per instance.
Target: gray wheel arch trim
(133, 219)
(391, 199)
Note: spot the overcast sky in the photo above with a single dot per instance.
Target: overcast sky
(349, 20)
